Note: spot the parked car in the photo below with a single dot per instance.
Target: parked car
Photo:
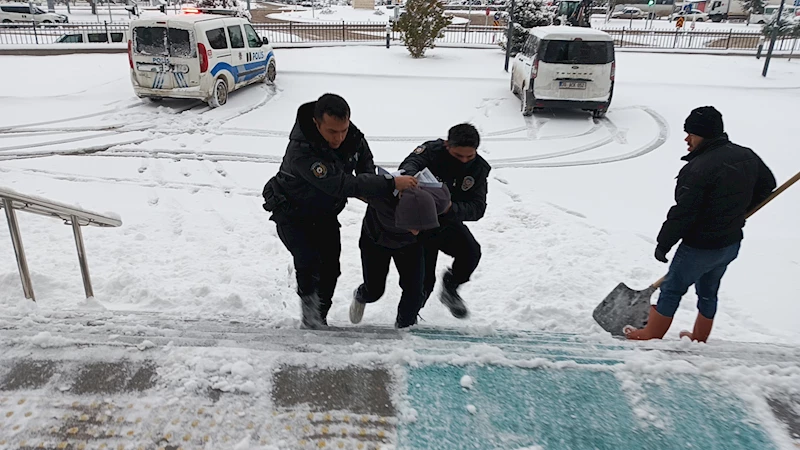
(565, 67)
(628, 13)
(697, 16)
(97, 37)
(197, 56)
(22, 12)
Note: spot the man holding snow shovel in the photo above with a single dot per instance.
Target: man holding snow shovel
(719, 184)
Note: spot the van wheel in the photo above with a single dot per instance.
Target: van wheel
(220, 94)
(527, 103)
(272, 73)
(7, 21)
(599, 113)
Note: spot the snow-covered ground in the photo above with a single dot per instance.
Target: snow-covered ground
(574, 205)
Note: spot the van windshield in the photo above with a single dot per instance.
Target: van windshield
(576, 52)
(161, 41)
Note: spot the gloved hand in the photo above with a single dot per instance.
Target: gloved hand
(661, 255)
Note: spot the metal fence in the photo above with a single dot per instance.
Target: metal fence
(22, 34)
(693, 40)
(299, 33)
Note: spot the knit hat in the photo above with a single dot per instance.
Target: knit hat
(416, 210)
(705, 122)
(441, 196)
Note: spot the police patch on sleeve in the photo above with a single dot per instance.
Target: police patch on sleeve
(419, 149)
(467, 183)
(319, 169)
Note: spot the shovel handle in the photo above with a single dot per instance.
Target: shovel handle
(774, 194)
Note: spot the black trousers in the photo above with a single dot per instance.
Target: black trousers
(454, 240)
(409, 262)
(315, 245)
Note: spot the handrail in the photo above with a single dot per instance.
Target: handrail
(11, 201)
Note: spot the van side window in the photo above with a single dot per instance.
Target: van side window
(253, 40)
(216, 38)
(71, 39)
(116, 37)
(235, 34)
(97, 37)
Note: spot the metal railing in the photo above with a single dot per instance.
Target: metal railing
(11, 201)
(29, 33)
(300, 33)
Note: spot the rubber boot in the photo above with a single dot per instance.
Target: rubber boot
(702, 328)
(324, 306)
(656, 328)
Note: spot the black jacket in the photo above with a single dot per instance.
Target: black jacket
(314, 181)
(720, 183)
(468, 183)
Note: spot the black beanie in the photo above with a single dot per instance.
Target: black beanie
(705, 122)
(416, 210)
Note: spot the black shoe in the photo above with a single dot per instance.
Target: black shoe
(310, 306)
(451, 299)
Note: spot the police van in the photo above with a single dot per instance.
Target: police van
(565, 67)
(197, 56)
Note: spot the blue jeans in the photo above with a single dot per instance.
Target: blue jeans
(703, 269)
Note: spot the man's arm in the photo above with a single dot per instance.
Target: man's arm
(764, 186)
(419, 159)
(688, 199)
(474, 207)
(365, 162)
(340, 184)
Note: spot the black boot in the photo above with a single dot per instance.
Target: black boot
(324, 307)
(311, 312)
(450, 297)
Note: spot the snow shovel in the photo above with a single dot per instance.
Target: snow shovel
(626, 306)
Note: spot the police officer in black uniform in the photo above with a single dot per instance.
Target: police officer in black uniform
(311, 189)
(456, 163)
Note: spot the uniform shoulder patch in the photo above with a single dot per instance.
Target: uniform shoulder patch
(319, 169)
(467, 183)
(419, 149)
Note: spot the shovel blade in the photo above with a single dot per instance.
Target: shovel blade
(624, 306)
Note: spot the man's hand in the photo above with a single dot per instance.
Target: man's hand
(404, 182)
(661, 255)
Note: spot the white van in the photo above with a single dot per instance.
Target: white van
(93, 37)
(565, 67)
(200, 56)
(23, 12)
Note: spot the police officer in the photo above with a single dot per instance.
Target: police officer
(456, 163)
(311, 189)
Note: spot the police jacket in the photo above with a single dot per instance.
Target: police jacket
(314, 181)
(719, 184)
(468, 183)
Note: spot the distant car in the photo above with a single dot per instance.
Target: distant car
(697, 16)
(21, 12)
(81, 37)
(628, 13)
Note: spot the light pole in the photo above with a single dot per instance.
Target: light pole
(510, 33)
(773, 38)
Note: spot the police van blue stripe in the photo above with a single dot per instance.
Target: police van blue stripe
(244, 72)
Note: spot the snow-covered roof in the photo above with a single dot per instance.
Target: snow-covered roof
(183, 18)
(564, 33)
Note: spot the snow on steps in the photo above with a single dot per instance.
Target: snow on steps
(139, 380)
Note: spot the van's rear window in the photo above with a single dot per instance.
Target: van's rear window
(576, 52)
(160, 41)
